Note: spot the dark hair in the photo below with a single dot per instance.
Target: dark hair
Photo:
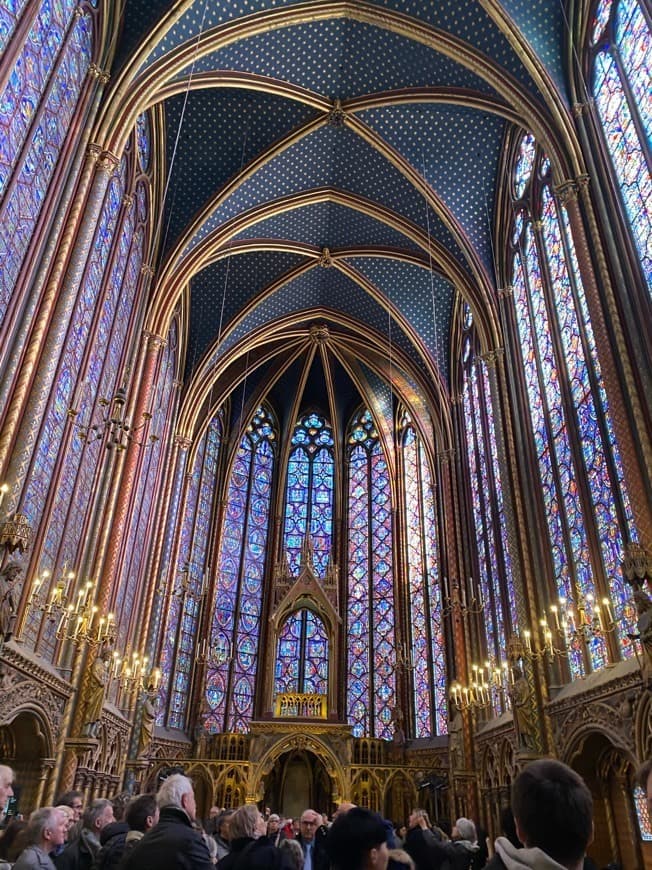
(120, 802)
(67, 798)
(352, 835)
(554, 809)
(138, 810)
(643, 774)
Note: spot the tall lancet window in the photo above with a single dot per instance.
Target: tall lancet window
(302, 655)
(51, 54)
(425, 652)
(309, 494)
(585, 503)
(621, 72)
(231, 672)
(493, 585)
(180, 635)
(371, 687)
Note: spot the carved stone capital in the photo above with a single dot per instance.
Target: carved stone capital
(153, 341)
(446, 456)
(147, 270)
(127, 200)
(95, 72)
(504, 292)
(491, 357)
(319, 333)
(637, 565)
(107, 162)
(182, 443)
(566, 191)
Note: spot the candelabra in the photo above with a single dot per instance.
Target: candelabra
(488, 687)
(590, 619)
(470, 599)
(113, 423)
(133, 672)
(78, 617)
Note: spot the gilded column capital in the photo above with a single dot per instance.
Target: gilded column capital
(504, 292)
(491, 357)
(94, 151)
(566, 191)
(537, 225)
(153, 341)
(95, 72)
(177, 384)
(319, 333)
(107, 162)
(446, 456)
(182, 443)
(457, 399)
(580, 108)
(127, 200)
(147, 270)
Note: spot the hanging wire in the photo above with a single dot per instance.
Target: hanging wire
(178, 135)
(432, 274)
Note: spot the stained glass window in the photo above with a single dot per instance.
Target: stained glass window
(80, 354)
(181, 630)
(583, 490)
(621, 70)
(232, 667)
(302, 655)
(493, 588)
(134, 570)
(642, 814)
(10, 13)
(371, 658)
(309, 494)
(426, 653)
(144, 140)
(36, 109)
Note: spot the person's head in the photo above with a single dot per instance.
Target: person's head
(342, 808)
(98, 816)
(47, 828)
(214, 812)
(120, 802)
(357, 841)
(247, 821)
(6, 782)
(418, 819)
(294, 850)
(465, 830)
(74, 800)
(401, 830)
(223, 825)
(310, 821)
(553, 810)
(177, 791)
(69, 813)
(644, 779)
(142, 813)
(273, 825)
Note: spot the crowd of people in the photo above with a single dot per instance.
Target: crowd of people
(549, 826)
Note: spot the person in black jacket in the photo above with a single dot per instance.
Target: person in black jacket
(251, 849)
(80, 854)
(172, 844)
(427, 852)
(553, 811)
(357, 840)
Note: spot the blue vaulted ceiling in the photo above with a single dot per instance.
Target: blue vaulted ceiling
(373, 129)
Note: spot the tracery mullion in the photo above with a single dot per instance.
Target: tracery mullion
(302, 651)
(370, 592)
(426, 589)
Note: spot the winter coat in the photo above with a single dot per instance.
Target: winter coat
(508, 857)
(80, 854)
(427, 852)
(250, 854)
(172, 844)
(112, 838)
(33, 858)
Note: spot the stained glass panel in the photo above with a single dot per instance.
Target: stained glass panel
(309, 493)
(371, 685)
(524, 164)
(238, 591)
(642, 814)
(34, 165)
(302, 655)
(10, 12)
(628, 58)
